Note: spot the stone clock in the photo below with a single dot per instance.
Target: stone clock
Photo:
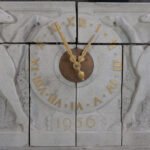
(74, 74)
(51, 65)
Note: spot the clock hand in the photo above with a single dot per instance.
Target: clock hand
(72, 57)
(81, 58)
(76, 64)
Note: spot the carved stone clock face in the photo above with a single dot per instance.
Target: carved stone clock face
(51, 86)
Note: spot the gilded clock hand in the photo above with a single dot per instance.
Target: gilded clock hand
(81, 58)
(76, 64)
(66, 45)
(86, 48)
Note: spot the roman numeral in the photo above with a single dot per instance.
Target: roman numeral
(39, 84)
(71, 21)
(117, 65)
(111, 86)
(112, 46)
(82, 22)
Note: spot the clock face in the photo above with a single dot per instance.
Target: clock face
(48, 82)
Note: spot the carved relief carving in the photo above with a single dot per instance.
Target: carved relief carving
(140, 62)
(14, 84)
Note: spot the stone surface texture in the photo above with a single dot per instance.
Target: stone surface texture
(39, 107)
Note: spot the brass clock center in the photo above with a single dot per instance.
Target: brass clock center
(67, 70)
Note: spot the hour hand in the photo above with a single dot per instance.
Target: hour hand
(81, 58)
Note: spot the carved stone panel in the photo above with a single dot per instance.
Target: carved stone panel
(52, 97)
(108, 102)
(135, 102)
(14, 95)
(99, 99)
(136, 125)
(37, 15)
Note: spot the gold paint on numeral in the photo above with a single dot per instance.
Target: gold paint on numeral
(78, 106)
(54, 100)
(40, 44)
(35, 64)
(117, 65)
(112, 85)
(82, 22)
(112, 46)
(39, 84)
(70, 21)
(97, 101)
(52, 28)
